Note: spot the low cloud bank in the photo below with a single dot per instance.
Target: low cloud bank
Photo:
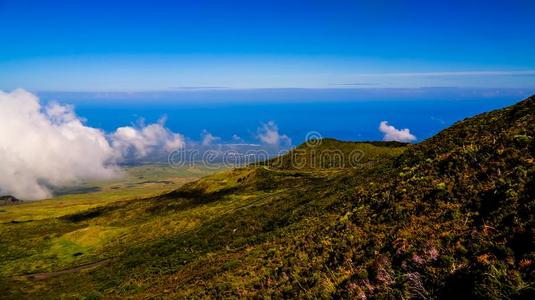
(48, 146)
(391, 133)
(144, 141)
(269, 135)
(208, 138)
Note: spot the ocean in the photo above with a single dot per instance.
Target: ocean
(344, 120)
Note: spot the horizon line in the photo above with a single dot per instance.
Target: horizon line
(341, 87)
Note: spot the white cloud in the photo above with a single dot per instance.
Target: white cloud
(43, 147)
(236, 138)
(143, 141)
(269, 134)
(391, 133)
(208, 138)
(452, 73)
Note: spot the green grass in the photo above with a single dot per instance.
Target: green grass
(221, 212)
(451, 217)
(36, 238)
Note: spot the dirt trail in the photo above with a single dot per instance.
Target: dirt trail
(43, 276)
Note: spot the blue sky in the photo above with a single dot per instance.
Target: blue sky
(186, 45)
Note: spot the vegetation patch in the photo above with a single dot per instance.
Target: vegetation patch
(450, 217)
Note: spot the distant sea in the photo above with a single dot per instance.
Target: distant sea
(344, 120)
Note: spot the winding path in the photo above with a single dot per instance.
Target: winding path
(46, 275)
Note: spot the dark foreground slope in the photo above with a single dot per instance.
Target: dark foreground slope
(450, 217)
(459, 209)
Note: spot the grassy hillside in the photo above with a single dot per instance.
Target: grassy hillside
(449, 217)
(331, 153)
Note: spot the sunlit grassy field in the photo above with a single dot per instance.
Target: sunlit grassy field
(134, 183)
(128, 223)
(36, 238)
(209, 216)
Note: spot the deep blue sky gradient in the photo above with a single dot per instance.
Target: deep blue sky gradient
(169, 45)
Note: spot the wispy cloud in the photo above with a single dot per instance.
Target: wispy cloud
(269, 134)
(524, 75)
(356, 84)
(450, 73)
(208, 138)
(199, 87)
